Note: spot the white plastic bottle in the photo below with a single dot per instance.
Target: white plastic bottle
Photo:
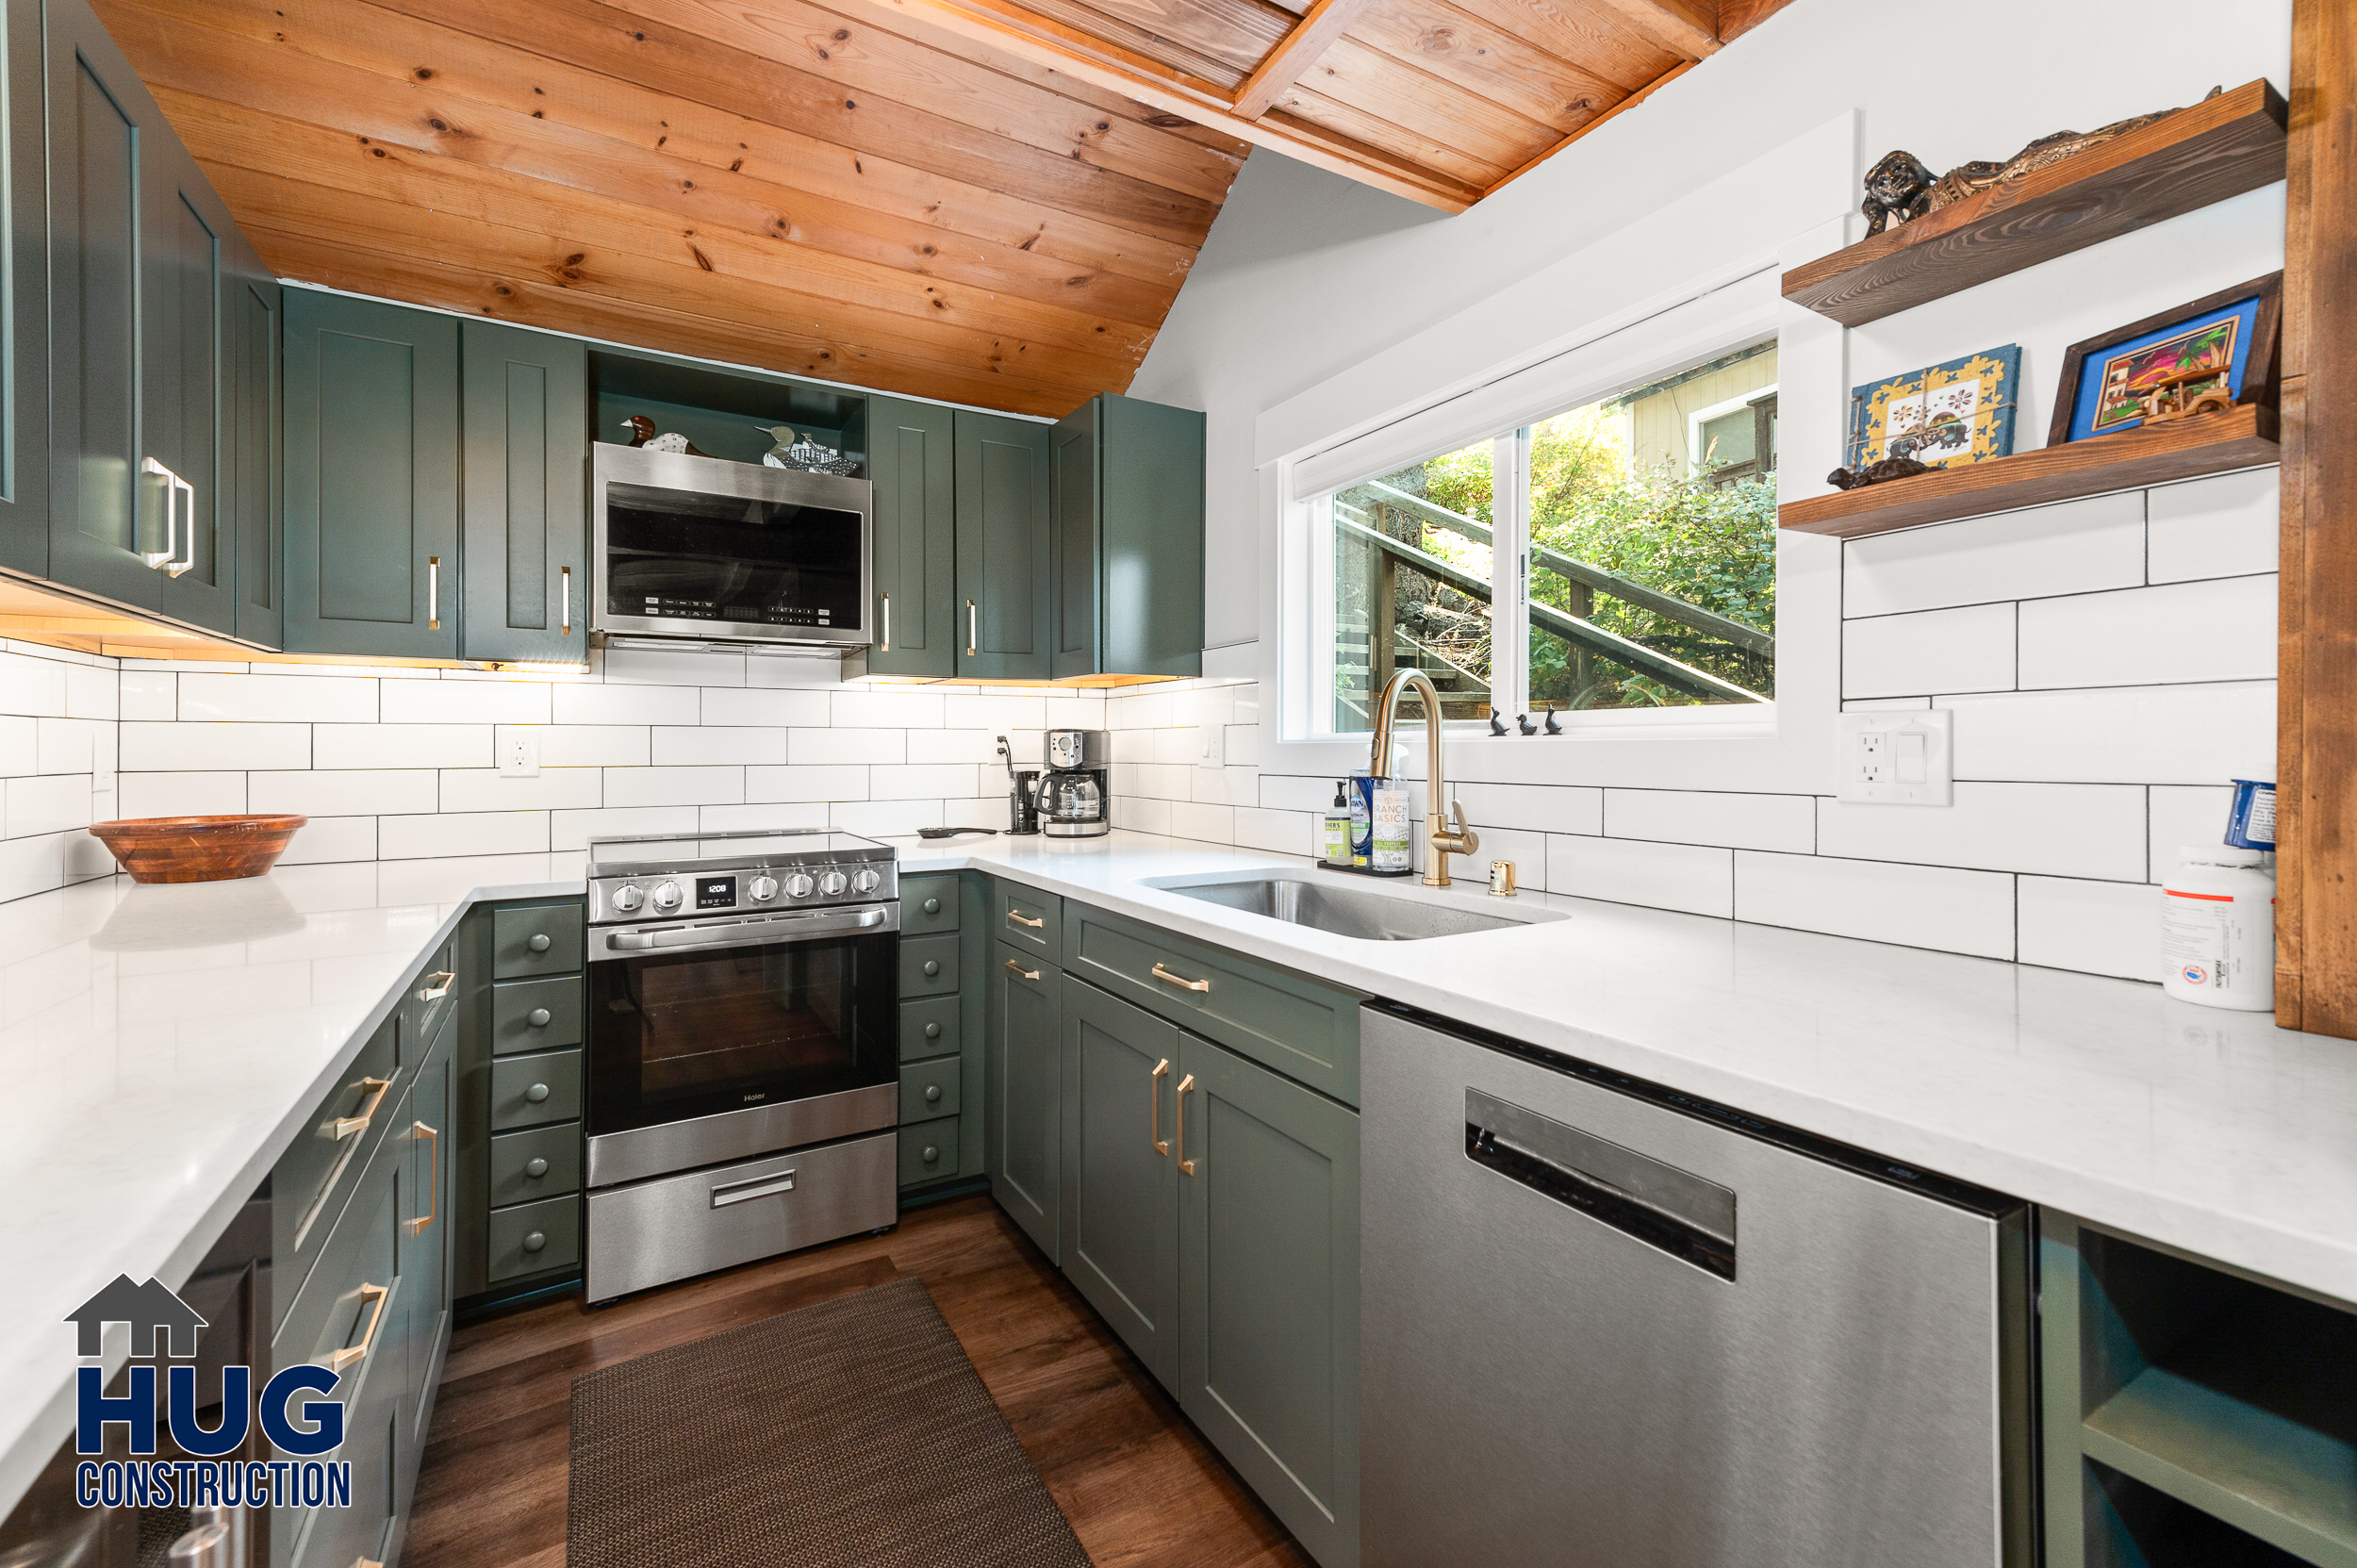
(2217, 929)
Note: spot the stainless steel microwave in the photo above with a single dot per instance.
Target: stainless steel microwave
(701, 549)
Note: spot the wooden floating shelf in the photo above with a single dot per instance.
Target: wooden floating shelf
(2216, 149)
(2240, 438)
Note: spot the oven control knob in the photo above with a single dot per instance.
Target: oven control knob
(764, 889)
(832, 884)
(628, 897)
(866, 881)
(666, 898)
(799, 886)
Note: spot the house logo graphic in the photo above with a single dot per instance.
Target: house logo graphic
(212, 1473)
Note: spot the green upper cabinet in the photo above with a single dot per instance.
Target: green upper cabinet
(526, 544)
(251, 461)
(24, 286)
(372, 481)
(1003, 604)
(1127, 487)
(910, 461)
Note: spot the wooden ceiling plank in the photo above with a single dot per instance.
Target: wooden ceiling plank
(406, 114)
(1391, 88)
(1588, 31)
(1319, 27)
(1300, 105)
(241, 146)
(534, 303)
(1237, 33)
(1688, 28)
(1488, 63)
(570, 259)
(1737, 17)
(1119, 33)
(1622, 108)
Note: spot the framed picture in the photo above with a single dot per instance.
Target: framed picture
(2212, 353)
(1943, 416)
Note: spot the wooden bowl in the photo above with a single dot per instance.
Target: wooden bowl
(197, 849)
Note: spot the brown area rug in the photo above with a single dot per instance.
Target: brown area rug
(853, 1432)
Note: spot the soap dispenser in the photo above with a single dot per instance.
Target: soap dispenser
(1336, 837)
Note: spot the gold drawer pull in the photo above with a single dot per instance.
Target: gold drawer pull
(1163, 975)
(347, 1126)
(1020, 972)
(1154, 1117)
(1184, 1084)
(1015, 919)
(433, 1182)
(438, 986)
(351, 1353)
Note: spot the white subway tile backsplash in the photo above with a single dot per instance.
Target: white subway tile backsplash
(45, 804)
(883, 710)
(821, 781)
(550, 789)
(146, 694)
(284, 698)
(940, 782)
(1227, 786)
(883, 818)
(1290, 833)
(998, 713)
(189, 748)
(573, 830)
(348, 792)
(2124, 734)
(683, 747)
(1146, 710)
(2184, 816)
(1140, 815)
(1194, 819)
(2226, 525)
(1166, 782)
(490, 833)
(1539, 808)
(767, 817)
(2060, 829)
(1783, 822)
(847, 746)
(37, 865)
(935, 746)
(751, 705)
(2101, 928)
(2222, 629)
(2072, 548)
(1916, 906)
(31, 686)
(586, 745)
(1963, 649)
(988, 811)
(402, 746)
(94, 693)
(1527, 849)
(650, 705)
(1293, 792)
(505, 701)
(20, 746)
(1178, 748)
(1085, 710)
(675, 786)
(1659, 876)
(324, 840)
(180, 794)
(1242, 743)
(73, 746)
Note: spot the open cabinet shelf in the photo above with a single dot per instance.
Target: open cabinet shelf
(2239, 438)
(2203, 153)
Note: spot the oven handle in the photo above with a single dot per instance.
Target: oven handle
(776, 928)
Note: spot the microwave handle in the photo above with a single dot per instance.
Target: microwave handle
(778, 928)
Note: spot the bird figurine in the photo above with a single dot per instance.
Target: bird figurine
(785, 437)
(642, 435)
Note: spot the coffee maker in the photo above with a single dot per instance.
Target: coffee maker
(1074, 793)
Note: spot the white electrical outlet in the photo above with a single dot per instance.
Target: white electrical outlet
(519, 748)
(1898, 758)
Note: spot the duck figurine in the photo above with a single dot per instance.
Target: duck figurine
(784, 437)
(642, 435)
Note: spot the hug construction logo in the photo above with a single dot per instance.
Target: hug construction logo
(164, 1326)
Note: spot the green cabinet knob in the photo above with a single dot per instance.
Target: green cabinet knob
(536, 1167)
(538, 1092)
(539, 942)
(933, 1031)
(932, 1155)
(932, 906)
(535, 1242)
(932, 1094)
(537, 1017)
(932, 967)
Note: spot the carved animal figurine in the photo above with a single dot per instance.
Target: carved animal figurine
(1876, 473)
(782, 440)
(642, 435)
(1896, 190)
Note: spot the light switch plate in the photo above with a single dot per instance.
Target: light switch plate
(1900, 757)
(519, 748)
(1210, 745)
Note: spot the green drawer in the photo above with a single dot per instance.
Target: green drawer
(314, 1179)
(1030, 919)
(535, 1015)
(534, 1238)
(929, 904)
(929, 965)
(928, 1151)
(929, 1090)
(430, 998)
(539, 939)
(541, 1161)
(527, 1091)
(929, 1029)
(1304, 1029)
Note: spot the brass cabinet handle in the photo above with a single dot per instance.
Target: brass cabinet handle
(433, 593)
(1184, 1084)
(887, 645)
(1012, 918)
(972, 635)
(347, 1126)
(434, 1180)
(565, 602)
(1168, 979)
(351, 1353)
(1020, 972)
(438, 986)
(1154, 1100)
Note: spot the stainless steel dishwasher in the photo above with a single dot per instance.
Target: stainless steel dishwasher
(1605, 1325)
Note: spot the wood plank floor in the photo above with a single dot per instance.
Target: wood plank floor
(1138, 1482)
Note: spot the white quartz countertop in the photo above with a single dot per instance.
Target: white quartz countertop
(160, 1046)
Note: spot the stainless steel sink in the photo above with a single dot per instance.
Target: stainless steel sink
(1344, 911)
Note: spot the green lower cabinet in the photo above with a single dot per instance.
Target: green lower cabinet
(1023, 1077)
(1121, 1171)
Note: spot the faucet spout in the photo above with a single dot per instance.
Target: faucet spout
(1445, 839)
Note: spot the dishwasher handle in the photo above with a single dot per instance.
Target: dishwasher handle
(1686, 1215)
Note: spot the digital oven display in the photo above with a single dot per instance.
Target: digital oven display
(716, 892)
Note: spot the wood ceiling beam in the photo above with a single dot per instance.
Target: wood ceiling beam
(1688, 28)
(1298, 50)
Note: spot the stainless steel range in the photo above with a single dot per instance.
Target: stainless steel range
(742, 1049)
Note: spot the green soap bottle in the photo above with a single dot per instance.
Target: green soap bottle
(1337, 834)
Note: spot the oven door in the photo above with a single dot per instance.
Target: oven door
(722, 1040)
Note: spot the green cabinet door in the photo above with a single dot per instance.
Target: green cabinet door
(250, 454)
(24, 297)
(187, 241)
(1127, 510)
(1120, 1171)
(526, 505)
(913, 464)
(424, 1237)
(1004, 605)
(371, 440)
(1023, 1088)
(1268, 1283)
